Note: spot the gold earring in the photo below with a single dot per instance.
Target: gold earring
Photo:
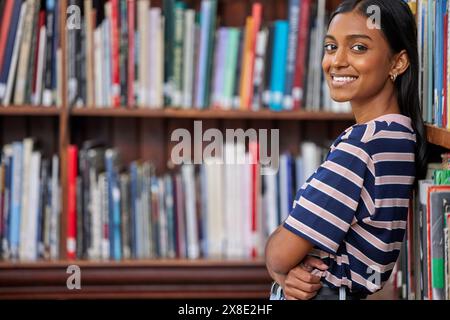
(393, 77)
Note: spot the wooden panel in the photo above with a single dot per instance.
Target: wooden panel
(138, 279)
(14, 129)
(211, 114)
(46, 132)
(126, 139)
(153, 143)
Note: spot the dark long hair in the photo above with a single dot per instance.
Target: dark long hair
(399, 28)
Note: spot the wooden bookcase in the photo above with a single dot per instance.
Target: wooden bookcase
(145, 133)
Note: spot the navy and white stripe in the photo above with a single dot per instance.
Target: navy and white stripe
(354, 207)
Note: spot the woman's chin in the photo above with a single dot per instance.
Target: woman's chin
(341, 97)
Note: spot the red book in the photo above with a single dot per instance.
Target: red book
(115, 53)
(5, 25)
(131, 6)
(302, 47)
(72, 164)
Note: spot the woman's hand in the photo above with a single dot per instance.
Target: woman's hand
(300, 283)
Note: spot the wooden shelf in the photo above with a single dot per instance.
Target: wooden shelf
(137, 279)
(29, 111)
(209, 114)
(438, 136)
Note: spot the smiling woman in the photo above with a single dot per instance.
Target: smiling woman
(351, 213)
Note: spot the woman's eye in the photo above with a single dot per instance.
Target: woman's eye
(359, 48)
(329, 47)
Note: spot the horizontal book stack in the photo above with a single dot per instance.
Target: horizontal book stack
(132, 54)
(29, 202)
(30, 53)
(210, 210)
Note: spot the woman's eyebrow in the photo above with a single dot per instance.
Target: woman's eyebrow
(350, 36)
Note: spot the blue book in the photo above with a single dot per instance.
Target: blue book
(133, 218)
(430, 62)
(278, 74)
(16, 194)
(294, 17)
(205, 21)
(114, 205)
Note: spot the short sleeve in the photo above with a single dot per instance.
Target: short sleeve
(324, 210)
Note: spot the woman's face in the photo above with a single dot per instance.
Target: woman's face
(357, 60)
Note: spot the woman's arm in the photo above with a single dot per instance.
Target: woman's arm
(284, 251)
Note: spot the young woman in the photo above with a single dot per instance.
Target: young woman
(351, 213)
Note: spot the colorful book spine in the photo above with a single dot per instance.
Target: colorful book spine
(277, 82)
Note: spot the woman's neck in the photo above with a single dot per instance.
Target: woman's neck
(375, 106)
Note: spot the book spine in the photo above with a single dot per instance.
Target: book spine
(72, 170)
(298, 91)
(115, 45)
(131, 5)
(5, 27)
(47, 95)
(278, 65)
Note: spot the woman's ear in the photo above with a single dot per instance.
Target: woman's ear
(400, 63)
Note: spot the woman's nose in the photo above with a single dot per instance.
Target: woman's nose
(340, 58)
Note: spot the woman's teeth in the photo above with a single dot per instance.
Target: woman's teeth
(344, 79)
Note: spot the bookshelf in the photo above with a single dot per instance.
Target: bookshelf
(136, 279)
(438, 136)
(143, 132)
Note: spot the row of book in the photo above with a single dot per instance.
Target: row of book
(211, 210)
(30, 53)
(424, 268)
(128, 53)
(29, 202)
(433, 41)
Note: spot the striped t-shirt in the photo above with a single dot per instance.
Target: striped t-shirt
(354, 208)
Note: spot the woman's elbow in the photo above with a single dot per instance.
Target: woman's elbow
(275, 261)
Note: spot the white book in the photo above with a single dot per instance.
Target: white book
(30, 248)
(230, 200)
(311, 158)
(188, 57)
(270, 204)
(159, 66)
(98, 58)
(193, 250)
(41, 66)
(154, 57)
(25, 218)
(144, 69)
(249, 239)
(284, 208)
(15, 57)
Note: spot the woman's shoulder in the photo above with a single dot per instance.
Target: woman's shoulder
(388, 128)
